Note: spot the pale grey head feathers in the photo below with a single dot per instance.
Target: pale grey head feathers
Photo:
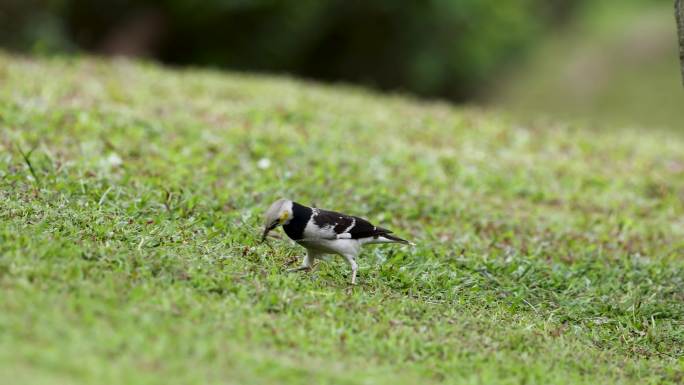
(279, 213)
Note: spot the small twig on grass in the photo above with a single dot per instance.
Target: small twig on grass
(104, 196)
(167, 199)
(27, 160)
(530, 305)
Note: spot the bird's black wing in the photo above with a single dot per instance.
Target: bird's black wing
(364, 229)
(346, 226)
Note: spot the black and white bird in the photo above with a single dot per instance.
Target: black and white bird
(325, 232)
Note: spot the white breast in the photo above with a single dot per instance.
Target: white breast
(333, 246)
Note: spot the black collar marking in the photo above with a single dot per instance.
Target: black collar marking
(300, 217)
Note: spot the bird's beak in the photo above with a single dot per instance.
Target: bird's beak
(267, 230)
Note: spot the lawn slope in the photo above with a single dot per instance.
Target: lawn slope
(130, 198)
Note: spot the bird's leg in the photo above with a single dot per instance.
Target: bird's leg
(354, 267)
(307, 263)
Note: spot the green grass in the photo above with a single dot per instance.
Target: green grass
(130, 203)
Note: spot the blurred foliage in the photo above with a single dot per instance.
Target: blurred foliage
(437, 48)
(33, 25)
(615, 65)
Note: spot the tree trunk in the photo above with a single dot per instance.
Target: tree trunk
(679, 14)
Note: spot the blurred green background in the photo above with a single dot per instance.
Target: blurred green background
(579, 59)
(614, 65)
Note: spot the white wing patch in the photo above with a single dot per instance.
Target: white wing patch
(345, 234)
(350, 226)
(312, 231)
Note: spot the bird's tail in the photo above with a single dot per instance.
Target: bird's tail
(394, 239)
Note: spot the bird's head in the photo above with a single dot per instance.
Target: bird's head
(278, 214)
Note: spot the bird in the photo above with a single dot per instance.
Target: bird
(323, 232)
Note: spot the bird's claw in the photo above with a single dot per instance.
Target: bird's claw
(300, 268)
(291, 261)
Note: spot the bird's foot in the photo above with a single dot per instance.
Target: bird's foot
(351, 288)
(300, 268)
